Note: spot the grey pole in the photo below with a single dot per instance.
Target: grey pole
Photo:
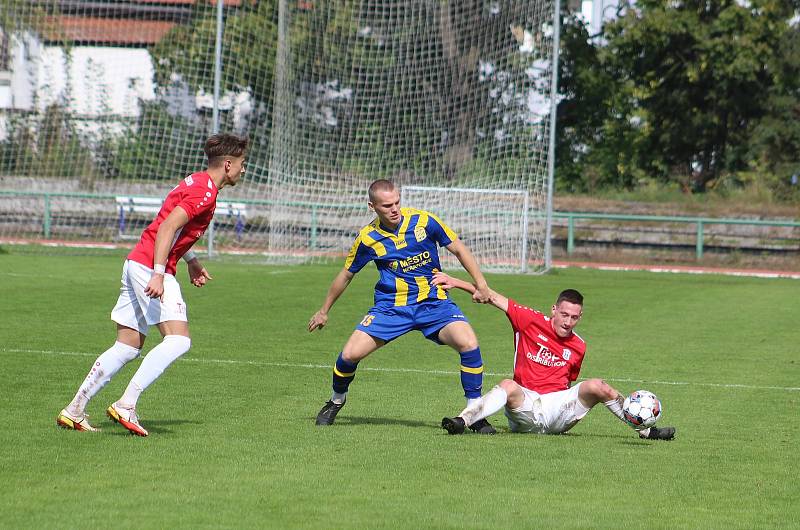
(215, 108)
(551, 151)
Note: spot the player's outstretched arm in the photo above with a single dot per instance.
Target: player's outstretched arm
(467, 260)
(336, 289)
(448, 282)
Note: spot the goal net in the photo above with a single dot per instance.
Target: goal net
(104, 106)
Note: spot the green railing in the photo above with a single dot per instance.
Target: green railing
(47, 197)
(699, 222)
(571, 217)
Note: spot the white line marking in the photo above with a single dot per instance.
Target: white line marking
(411, 370)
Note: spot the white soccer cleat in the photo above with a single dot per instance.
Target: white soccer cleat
(75, 423)
(127, 418)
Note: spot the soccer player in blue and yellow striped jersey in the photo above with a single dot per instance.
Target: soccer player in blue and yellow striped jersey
(403, 243)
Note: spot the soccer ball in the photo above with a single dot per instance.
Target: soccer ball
(641, 409)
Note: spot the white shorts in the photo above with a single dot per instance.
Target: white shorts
(136, 310)
(553, 413)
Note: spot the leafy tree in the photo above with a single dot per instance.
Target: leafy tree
(699, 72)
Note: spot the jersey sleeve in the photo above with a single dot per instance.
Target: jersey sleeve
(358, 256)
(195, 198)
(440, 232)
(521, 316)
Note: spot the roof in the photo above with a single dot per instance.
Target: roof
(229, 3)
(105, 30)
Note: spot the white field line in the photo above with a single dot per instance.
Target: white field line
(409, 370)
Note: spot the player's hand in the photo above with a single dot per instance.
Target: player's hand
(198, 274)
(442, 280)
(155, 287)
(318, 321)
(482, 295)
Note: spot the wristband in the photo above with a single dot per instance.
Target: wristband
(160, 269)
(189, 256)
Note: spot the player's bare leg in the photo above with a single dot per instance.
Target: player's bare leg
(175, 342)
(358, 347)
(125, 349)
(461, 337)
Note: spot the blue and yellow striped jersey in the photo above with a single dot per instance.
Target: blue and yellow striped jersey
(405, 258)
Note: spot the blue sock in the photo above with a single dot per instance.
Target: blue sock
(343, 374)
(472, 373)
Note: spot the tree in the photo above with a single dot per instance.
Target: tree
(699, 72)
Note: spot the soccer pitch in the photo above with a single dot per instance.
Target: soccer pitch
(233, 442)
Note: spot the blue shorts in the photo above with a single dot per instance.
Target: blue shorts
(388, 323)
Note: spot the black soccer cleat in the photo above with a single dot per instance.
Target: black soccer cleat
(664, 433)
(328, 413)
(454, 425)
(482, 426)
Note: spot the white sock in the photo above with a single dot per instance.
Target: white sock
(338, 398)
(494, 400)
(153, 365)
(615, 406)
(103, 369)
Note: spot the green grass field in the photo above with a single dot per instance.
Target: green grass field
(233, 442)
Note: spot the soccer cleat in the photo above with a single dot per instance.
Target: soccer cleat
(127, 418)
(482, 426)
(454, 425)
(68, 421)
(329, 412)
(664, 433)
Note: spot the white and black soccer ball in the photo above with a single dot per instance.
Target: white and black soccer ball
(641, 409)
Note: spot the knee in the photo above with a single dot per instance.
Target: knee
(599, 389)
(180, 343)
(465, 340)
(507, 384)
(470, 344)
(352, 356)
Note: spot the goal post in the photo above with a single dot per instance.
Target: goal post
(100, 100)
(495, 224)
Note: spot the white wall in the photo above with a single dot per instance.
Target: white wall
(95, 81)
(92, 81)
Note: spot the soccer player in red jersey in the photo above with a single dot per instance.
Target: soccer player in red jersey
(150, 295)
(547, 359)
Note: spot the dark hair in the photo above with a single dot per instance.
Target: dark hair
(379, 185)
(570, 295)
(222, 145)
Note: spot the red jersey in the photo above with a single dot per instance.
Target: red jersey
(197, 195)
(543, 361)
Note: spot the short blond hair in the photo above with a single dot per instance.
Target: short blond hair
(380, 185)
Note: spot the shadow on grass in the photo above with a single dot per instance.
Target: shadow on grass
(351, 421)
(152, 426)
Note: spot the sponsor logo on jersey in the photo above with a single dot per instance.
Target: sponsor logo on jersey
(545, 357)
(416, 261)
(419, 233)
